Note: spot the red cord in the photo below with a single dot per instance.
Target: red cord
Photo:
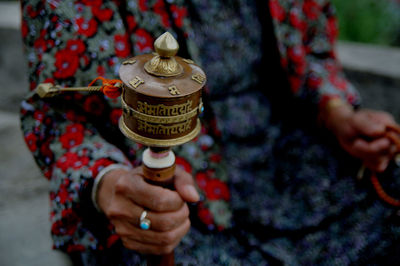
(392, 134)
(110, 87)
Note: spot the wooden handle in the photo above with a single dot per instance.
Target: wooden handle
(163, 260)
(160, 177)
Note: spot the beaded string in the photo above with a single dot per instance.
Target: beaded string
(110, 87)
(392, 134)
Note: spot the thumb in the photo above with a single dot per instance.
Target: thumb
(184, 185)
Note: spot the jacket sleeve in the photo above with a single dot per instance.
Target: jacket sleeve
(306, 31)
(70, 151)
(73, 136)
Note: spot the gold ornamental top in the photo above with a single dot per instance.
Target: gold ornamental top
(164, 63)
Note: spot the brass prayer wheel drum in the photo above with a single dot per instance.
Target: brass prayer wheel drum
(161, 96)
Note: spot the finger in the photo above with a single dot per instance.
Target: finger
(160, 222)
(148, 248)
(363, 124)
(121, 207)
(378, 165)
(393, 150)
(367, 149)
(152, 237)
(184, 185)
(382, 117)
(148, 196)
(168, 221)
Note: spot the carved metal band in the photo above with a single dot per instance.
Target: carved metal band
(160, 129)
(158, 142)
(159, 119)
(164, 110)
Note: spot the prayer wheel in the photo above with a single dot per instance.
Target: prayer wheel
(161, 102)
(161, 97)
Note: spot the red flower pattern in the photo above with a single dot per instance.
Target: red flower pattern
(205, 215)
(76, 248)
(101, 70)
(71, 160)
(40, 45)
(178, 13)
(115, 115)
(70, 139)
(332, 29)
(143, 5)
(131, 22)
(112, 239)
(92, 3)
(103, 14)
(295, 84)
(159, 8)
(99, 165)
(216, 158)
(296, 21)
(201, 180)
(311, 9)
(76, 47)
(277, 10)
(66, 64)
(24, 29)
(93, 105)
(144, 41)
(86, 27)
(313, 82)
(184, 164)
(47, 152)
(121, 46)
(38, 115)
(216, 190)
(31, 140)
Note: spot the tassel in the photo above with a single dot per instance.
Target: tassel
(112, 88)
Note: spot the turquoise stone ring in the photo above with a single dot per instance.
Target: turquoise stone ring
(144, 222)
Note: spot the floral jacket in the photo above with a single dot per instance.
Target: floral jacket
(73, 137)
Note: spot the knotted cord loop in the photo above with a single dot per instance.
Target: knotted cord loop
(110, 87)
(393, 133)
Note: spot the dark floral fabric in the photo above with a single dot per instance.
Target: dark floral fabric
(272, 190)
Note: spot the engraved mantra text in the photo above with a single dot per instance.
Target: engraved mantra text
(164, 110)
(159, 119)
(163, 130)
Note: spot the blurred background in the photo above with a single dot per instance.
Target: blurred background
(369, 21)
(369, 50)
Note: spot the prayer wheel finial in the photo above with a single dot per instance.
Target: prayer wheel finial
(164, 63)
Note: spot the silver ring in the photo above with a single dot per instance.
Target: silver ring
(144, 222)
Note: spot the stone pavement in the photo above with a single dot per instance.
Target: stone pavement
(24, 206)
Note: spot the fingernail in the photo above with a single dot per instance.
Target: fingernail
(190, 190)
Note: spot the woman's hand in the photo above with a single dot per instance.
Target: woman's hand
(362, 134)
(123, 195)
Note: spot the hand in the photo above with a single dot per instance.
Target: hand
(123, 195)
(362, 134)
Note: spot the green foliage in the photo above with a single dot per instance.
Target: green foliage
(370, 21)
